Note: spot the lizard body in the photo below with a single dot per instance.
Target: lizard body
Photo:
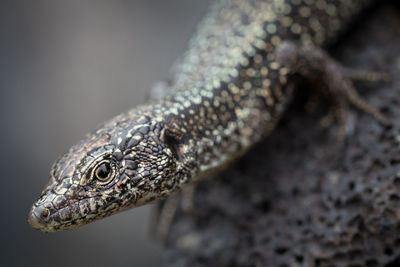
(231, 88)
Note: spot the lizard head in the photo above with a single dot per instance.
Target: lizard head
(124, 164)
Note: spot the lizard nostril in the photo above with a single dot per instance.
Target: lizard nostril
(45, 213)
(37, 217)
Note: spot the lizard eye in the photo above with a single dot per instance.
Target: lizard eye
(103, 171)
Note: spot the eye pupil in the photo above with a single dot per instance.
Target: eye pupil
(103, 171)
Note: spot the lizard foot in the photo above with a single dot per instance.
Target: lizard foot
(368, 76)
(162, 217)
(165, 211)
(332, 79)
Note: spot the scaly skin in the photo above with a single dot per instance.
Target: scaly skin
(230, 90)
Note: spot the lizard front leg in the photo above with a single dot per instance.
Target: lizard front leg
(313, 64)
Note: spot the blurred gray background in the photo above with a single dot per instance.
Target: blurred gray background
(65, 67)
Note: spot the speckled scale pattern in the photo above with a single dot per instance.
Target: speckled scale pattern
(229, 91)
(232, 97)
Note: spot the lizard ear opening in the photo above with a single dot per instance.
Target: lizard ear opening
(172, 140)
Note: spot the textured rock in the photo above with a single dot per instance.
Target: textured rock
(301, 198)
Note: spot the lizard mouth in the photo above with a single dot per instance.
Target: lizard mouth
(45, 218)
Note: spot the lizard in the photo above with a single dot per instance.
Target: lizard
(232, 86)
